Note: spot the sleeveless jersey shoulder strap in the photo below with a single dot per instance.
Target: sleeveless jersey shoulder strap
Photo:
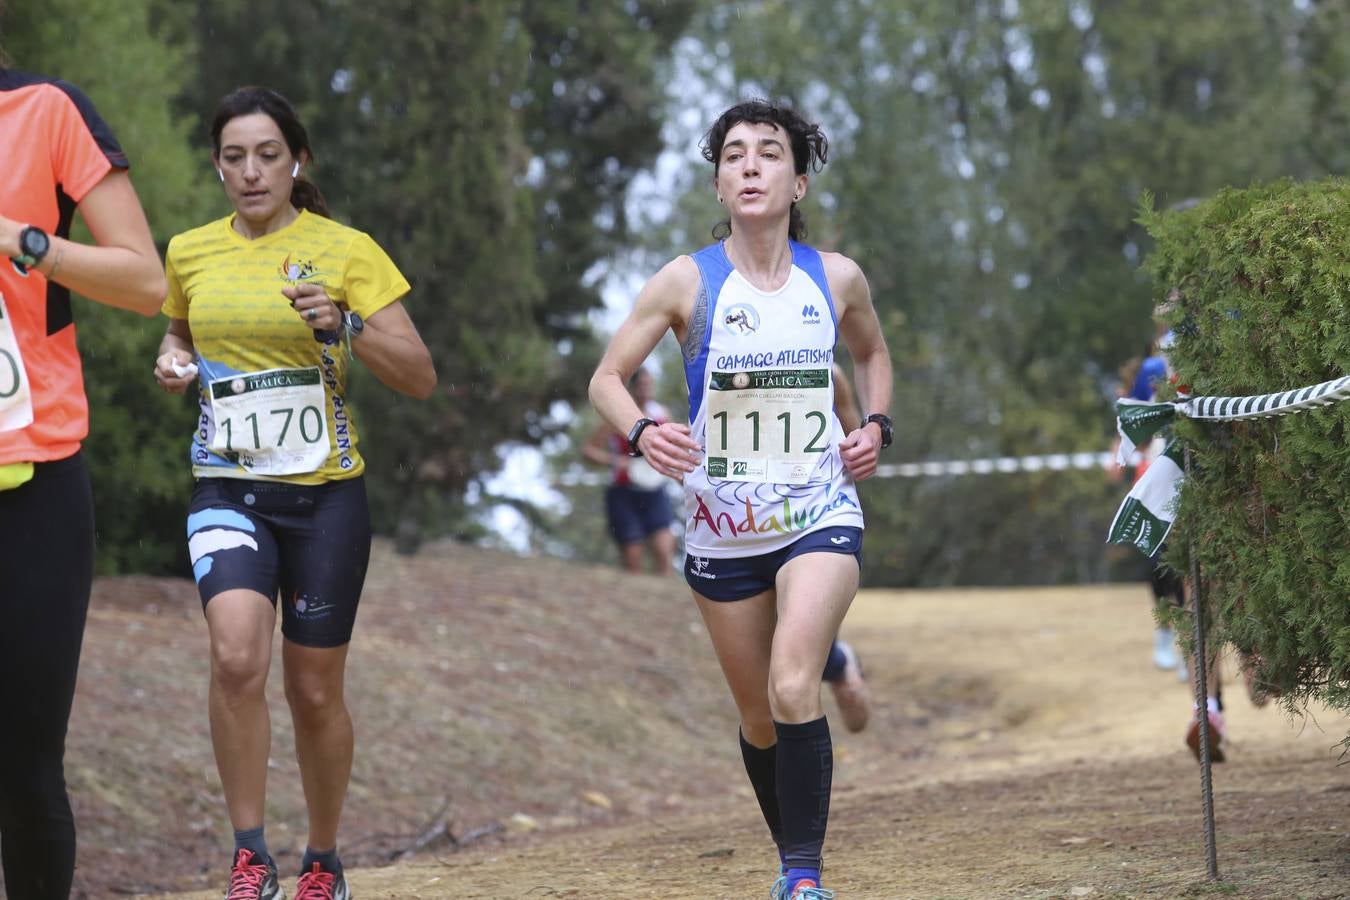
(807, 258)
(714, 268)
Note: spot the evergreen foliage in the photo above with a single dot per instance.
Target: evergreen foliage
(1260, 285)
(487, 147)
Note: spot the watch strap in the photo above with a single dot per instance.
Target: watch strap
(27, 259)
(884, 423)
(635, 432)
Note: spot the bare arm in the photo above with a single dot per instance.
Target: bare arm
(389, 346)
(122, 269)
(872, 376)
(660, 306)
(845, 404)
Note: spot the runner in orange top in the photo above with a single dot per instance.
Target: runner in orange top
(59, 157)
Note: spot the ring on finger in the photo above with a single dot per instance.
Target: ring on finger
(312, 314)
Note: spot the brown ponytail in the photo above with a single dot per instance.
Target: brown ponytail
(306, 195)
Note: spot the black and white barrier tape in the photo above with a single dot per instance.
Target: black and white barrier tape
(994, 465)
(1262, 406)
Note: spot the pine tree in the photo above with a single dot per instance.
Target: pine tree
(1259, 284)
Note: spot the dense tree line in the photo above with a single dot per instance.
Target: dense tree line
(987, 162)
(488, 146)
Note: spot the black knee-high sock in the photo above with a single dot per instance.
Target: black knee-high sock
(805, 771)
(762, 767)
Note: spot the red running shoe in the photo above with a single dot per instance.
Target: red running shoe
(1217, 732)
(253, 880)
(316, 884)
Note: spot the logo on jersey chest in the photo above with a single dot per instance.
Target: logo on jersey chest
(741, 319)
(297, 270)
(810, 315)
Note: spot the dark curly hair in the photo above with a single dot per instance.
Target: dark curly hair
(246, 101)
(809, 148)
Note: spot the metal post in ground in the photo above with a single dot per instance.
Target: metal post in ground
(1201, 665)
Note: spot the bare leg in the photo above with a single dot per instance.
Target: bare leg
(662, 546)
(240, 623)
(323, 734)
(742, 637)
(814, 592)
(630, 557)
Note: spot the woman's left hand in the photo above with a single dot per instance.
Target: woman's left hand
(315, 307)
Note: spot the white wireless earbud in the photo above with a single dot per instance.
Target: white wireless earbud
(221, 174)
(295, 169)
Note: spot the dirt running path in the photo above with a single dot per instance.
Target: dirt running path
(1022, 746)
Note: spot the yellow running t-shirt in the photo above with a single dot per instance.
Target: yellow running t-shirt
(262, 376)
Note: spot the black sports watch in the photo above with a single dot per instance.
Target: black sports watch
(33, 247)
(884, 423)
(636, 432)
(353, 323)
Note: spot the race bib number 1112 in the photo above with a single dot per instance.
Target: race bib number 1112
(769, 425)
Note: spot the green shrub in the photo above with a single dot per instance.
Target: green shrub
(1259, 280)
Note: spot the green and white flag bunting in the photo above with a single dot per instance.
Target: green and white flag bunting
(1137, 421)
(1145, 518)
(1146, 515)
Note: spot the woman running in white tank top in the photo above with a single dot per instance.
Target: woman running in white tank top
(773, 518)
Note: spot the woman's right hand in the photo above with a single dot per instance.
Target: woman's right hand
(170, 378)
(671, 449)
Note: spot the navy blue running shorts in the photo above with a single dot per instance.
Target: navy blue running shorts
(310, 544)
(635, 514)
(740, 577)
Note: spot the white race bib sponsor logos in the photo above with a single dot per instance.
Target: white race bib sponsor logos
(271, 423)
(768, 425)
(16, 399)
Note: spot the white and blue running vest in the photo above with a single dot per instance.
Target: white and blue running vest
(752, 337)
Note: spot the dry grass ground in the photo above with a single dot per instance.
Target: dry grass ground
(548, 730)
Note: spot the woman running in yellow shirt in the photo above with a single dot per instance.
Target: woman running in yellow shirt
(266, 307)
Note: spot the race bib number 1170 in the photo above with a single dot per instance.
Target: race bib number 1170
(273, 422)
(769, 425)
